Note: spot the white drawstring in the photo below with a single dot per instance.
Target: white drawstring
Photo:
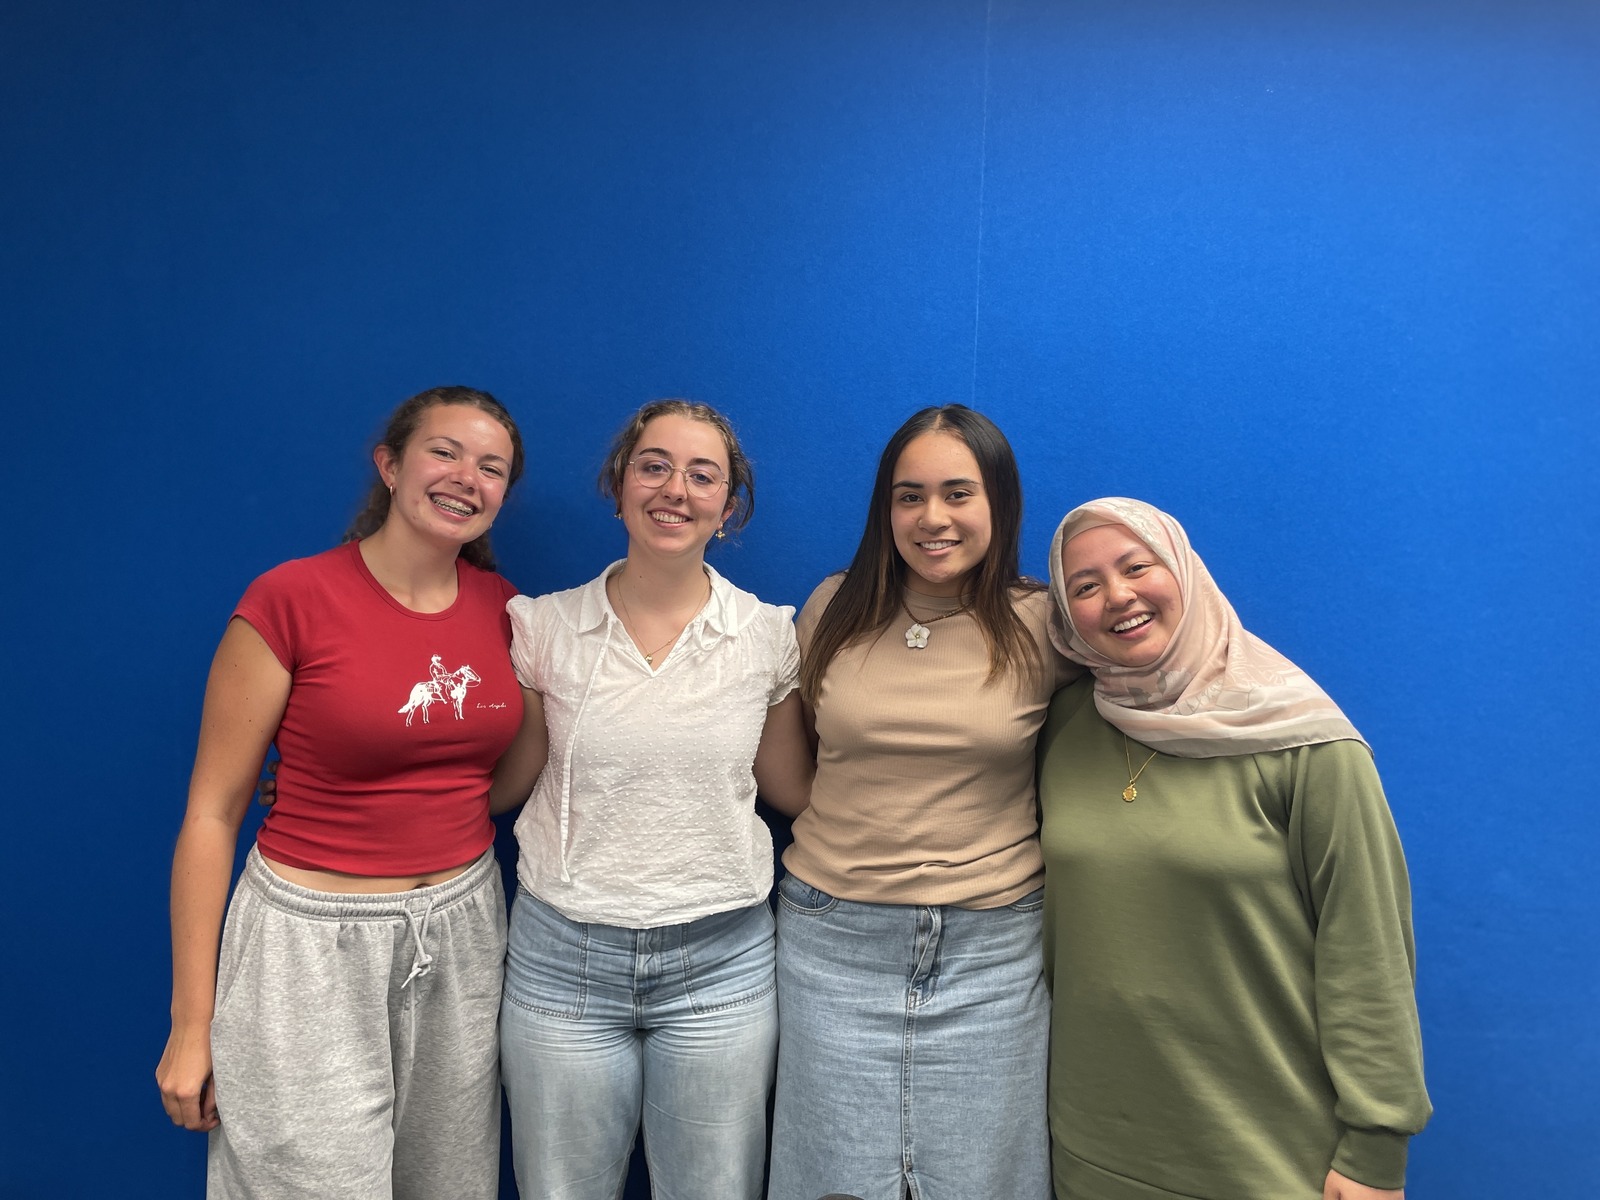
(422, 963)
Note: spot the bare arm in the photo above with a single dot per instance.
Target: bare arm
(785, 764)
(245, 698)
(519, 767)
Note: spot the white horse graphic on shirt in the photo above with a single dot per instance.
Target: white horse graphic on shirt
(440, 685)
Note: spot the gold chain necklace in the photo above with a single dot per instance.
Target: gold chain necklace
(1131, 793)
(917, 632)
(627, 620)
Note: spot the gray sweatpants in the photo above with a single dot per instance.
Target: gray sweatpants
(355, 1041)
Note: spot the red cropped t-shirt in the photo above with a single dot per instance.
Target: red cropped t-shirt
(394, 721)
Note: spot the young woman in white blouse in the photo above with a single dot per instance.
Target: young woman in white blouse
(639, 979)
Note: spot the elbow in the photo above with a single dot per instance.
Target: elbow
(502, 801)
(791, 801)
(787, 807)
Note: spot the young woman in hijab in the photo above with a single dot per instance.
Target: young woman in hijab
(344, 1045)
(1227, 915)
(910, 982)
(639, 981)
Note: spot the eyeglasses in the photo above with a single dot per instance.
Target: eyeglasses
(703, 482)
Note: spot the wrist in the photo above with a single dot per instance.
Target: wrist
(186, 1017)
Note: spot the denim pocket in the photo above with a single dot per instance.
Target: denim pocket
(1030, 903)
(800, 897)
(547, 960)
(730, 961)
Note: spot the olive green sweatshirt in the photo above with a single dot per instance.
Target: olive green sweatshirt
(1231, 968)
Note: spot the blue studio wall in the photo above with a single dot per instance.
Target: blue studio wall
(1321, 278)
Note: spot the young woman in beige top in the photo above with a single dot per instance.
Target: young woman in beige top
(912, 1006)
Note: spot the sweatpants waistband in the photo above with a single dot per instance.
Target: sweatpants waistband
(356, 906)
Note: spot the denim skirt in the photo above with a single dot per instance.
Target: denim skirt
(912, 1050)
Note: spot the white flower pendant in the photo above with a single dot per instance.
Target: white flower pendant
(917, 636)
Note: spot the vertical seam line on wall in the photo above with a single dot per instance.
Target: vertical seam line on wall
(983, 170)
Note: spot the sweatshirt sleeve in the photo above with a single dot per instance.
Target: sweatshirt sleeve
(1347, 862)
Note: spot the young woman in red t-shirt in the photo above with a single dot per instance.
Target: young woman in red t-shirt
(341, 1040)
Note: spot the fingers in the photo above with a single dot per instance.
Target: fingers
(172, 1108)
(187, 1088)
(208, 1105)
(196, 1110)
(267, 785)
(189, 1112)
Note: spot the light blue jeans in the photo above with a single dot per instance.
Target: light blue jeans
(913, 1050)
(602, 1027)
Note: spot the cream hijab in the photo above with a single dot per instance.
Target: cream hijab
(1217, 690)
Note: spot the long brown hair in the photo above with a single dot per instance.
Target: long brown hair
(403, 423)
(871, 592)
(741, 476)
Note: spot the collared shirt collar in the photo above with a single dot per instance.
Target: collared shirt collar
(719, 618)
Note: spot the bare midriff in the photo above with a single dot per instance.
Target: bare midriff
(364, 885)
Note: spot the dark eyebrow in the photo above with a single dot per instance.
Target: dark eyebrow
(1119, 564)
(667, 454)
(444, 437)
(912, 483)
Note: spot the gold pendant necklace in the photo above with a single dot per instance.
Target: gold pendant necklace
(650, 659)
(1131, 793)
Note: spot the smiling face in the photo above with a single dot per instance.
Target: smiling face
(451, 478)
(939, 512)
(1122, 599)
(670, 519)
